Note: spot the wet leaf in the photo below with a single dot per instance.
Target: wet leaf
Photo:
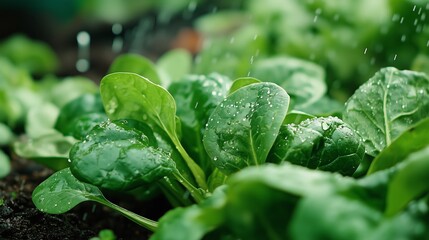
(412, 140)
(117, 156)
(196, 97)
(242, 82)
(243, 128)
(386, 106)
(319, 143)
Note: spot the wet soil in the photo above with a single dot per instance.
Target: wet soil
(20, 220)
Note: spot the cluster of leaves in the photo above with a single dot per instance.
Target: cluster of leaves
(250, 158)
(31, 105)
(352, 40)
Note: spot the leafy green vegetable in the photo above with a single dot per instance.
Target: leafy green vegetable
(244, 126)
(385, 106)
(409, 182)
(174, 65)
(34, 56)
(40, 120)
(70, 88)
(196, 97)
(242, 82)
(319, 143)
(62, 191)
(80, 115)
(304, 81)
(51, 150)
(128, 95)
(116, 156)
(6, 134)
(412, 140)
(136, 64)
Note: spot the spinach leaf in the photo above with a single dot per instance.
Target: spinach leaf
(116, 156)
(304, 81)
(62, 191)
(4, 164)
(409, 183)
(174, 65)
(40, 120)
(329, 212)
(385, 106)
(194, 222)
(196, 97)
(70, 88)
(319, 143)
(243, 127)
(242, 82)
(412, 140)
(136, 64)
(80, 115)
(128, 95)
(51, 150)
(6, 134)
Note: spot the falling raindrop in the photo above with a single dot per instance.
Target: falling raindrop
(403, 38)
(366, 49)
(394, 58)
(118, 42)
(83, 43)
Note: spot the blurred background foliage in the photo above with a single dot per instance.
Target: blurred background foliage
(349, 39)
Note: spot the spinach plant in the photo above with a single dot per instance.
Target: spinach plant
(210, 144)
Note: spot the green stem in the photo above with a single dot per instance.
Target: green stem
(174, 193)
(197, 194)
(196, 170)
(142, 221)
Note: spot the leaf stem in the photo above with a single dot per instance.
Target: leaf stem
(142, 221)
(196, 170)
(197, 194)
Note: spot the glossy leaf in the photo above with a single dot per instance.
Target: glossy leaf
(135, 63)
(295, 116)
(409, 182)
(196, 97)
(128, 95)
(116, 156)
(62, 191)
(412, 140)
(243, 128)
(242, 82)
(4, 164)
(304, 81)
(319, 143)
(386, 106)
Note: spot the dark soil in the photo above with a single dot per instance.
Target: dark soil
(20, 220)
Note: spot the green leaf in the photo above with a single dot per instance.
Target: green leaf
(336, 217)
(242, 82)
(35, 56)
(117, 156)
(196, 97)
(6, 134)
(50, 150)
(304, 81)
(296, 117)
(62, 191)
(243, 128)
(194, 222)
(135, 63)
(40, 120)
(71, 88)
(4, 164)
(386, 106)
(409, 183)
(131, 96)
(80, 115)
(412, 140)
(319, 143)
(324, 107)
(174, 65)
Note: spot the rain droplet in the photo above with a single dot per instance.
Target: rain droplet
(325, 126)
(366, 49)
(215, 159)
